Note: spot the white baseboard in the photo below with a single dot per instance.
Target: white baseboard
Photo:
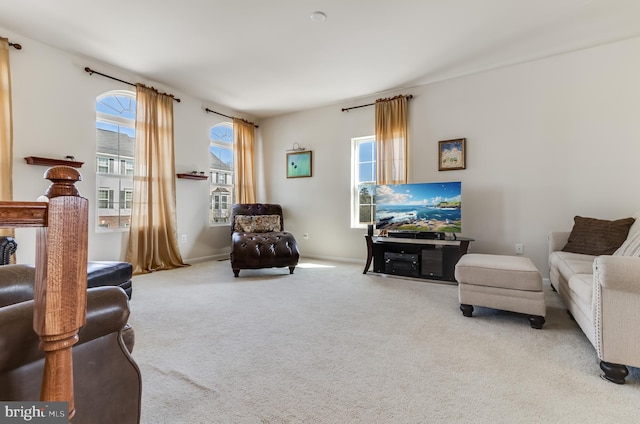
(206, 258)
(333, 258)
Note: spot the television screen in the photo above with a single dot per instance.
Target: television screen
(423, 207)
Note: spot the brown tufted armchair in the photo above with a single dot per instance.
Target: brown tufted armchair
(258, 239)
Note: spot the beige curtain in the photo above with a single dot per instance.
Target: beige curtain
(153, 238)
(391, 140)
(243, 162)
(6, 132)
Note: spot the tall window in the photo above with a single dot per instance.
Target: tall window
(115, 142)
(363, 180)
(221, 172)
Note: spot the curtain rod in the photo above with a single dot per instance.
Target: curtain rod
(14, 45)
(347, 109)
(227, 116)
(91, 72)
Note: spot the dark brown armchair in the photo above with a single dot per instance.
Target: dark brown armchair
(258, 239)
(107, 380)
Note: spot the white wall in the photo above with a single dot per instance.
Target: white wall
(54, 116)
(546, 140)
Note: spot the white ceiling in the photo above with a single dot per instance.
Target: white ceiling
(266, 58)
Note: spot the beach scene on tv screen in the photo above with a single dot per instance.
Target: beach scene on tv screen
(433, 207)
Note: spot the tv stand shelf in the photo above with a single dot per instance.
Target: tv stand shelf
(433, 259)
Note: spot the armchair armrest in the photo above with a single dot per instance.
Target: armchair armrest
(557, 240)
(16, 283)
(8, 246)
(107, 312)
(621, 273)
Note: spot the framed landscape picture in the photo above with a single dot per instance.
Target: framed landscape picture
(299, 164)
(451, 154)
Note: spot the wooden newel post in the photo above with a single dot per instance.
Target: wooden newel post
(60, 292)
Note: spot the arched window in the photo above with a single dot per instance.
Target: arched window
(221, 172)
(115, 152)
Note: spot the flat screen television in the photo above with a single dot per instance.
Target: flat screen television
(423, 209)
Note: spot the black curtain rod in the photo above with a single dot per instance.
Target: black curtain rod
(222, 114)
(15, 45)
(91, 72)
(346, 109)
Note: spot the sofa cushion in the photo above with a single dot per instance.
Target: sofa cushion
(593, 236)
(257, 223)
(559, 256)
(581, 286)
(569, 267)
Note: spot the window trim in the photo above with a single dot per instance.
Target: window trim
(114, 168)
(355, 194)
(216, 175)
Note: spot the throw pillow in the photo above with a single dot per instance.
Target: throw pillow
(257, 223)
(631, 246)
(591, 236)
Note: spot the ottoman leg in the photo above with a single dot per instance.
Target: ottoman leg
(236, 272)
(291, 268)
(467, 310)
(536, 321)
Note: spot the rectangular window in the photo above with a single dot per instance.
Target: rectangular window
(126, 198)
(363, 180)
(103, 165)
(115, 150)
(105, 198)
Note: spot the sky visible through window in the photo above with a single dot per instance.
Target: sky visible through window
(120, 106)
(222, 134)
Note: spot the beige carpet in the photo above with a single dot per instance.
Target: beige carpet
(331, 345)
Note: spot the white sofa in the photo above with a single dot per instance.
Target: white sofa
(602, 293)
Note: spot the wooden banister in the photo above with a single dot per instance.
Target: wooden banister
(60, 287)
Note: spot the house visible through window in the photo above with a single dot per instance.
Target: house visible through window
(115, 151)
(221, 172)
(363, 180)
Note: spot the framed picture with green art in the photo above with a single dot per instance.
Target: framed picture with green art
(299, 164)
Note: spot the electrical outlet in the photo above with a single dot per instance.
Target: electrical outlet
(305, 236)
(183, 238)
(519, 249)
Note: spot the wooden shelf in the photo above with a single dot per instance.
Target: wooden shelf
(192, 176)
(34, 160)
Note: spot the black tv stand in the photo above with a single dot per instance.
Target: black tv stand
(425, 235)
(431, 236)
(426, 258)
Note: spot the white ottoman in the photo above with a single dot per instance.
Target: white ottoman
(510, 283)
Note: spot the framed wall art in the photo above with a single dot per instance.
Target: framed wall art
(451, 154)
(299, 164)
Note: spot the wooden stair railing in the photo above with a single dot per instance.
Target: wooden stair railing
(60, 288)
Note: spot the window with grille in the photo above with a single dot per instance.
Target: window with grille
(115, 158)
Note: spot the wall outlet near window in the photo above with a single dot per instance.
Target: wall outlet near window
(519, 249)
(184, 238)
